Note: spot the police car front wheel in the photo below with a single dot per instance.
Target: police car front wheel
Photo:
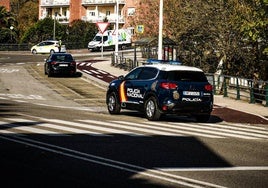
(151, 110)
(113, 104)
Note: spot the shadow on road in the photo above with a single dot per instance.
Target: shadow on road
(109, 160)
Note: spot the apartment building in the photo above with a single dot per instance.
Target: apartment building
(66, 11)
(5, 3)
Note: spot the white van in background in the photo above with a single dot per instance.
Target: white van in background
(109, 40)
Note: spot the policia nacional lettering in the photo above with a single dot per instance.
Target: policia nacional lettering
(135, 93)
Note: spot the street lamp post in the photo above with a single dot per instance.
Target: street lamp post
(54, 28)
(116, 31)
(160, 33)
(11, 33)
(116, 27)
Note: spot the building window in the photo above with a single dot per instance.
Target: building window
(108, 13)
(91, 13)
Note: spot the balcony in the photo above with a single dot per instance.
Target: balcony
(95, 19)
(53, 3)
(101, 2)
(61, 19)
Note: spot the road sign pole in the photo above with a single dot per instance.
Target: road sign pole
(102, 45)
(102, 28)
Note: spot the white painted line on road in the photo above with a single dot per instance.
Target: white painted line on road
(239, 168)
(145, 128)
(10, 132)
(208, 130)
(53, 126)
(107, 124)
(244, 131)
(86, 71)
(104, 130)
(96, 72)
(163, 127)
(237, 125)
(27, 128)
(102, 72)
(81, 64)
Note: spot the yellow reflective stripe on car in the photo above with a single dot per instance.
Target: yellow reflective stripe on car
(123, 97)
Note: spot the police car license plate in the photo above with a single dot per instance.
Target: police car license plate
(191, 93)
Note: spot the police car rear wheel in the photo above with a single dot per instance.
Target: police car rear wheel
(151, 110)
(113, 104)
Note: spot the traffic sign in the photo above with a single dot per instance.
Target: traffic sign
(102, 26)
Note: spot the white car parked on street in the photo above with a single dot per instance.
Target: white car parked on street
(48, 46)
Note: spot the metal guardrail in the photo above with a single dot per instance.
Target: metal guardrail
(27, 46)
(253, 91)
(15, 47)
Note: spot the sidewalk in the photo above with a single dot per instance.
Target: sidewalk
(219, 100)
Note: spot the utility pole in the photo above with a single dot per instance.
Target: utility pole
(116, 32)
(54, 28)
(116, 27)
(160, 33)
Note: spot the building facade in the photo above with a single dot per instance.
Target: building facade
(66, 11)
(5, 3)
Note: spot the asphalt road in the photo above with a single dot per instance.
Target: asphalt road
(54, 134)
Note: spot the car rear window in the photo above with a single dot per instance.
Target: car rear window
(66, 58)
(147, 73)
(187, 76)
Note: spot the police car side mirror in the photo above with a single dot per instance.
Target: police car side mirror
(121, 77)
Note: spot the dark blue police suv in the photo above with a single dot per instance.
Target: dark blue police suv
(158, 89)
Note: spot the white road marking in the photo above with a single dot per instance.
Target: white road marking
(138, 127)
(38, 125)
(105, 128)
(165, 128)
(86, 71)
(89, 126)
(236, 168)
(27, 129)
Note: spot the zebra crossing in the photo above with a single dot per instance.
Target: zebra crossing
(56, 127)
(87, 68)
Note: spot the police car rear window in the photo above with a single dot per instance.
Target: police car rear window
(187, 76)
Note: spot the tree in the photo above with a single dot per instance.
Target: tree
(147, 11)
(27, 16)
(77, 35)
(234, 31)
(43, 30)
(8, 29)
(80, 33)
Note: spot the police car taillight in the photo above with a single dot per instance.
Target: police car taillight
(53, 63)
(208, 87)
(73, 63)
(168, 85)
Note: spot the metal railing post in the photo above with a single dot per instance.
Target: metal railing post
(237, 89)
(224, 87)
(252, 99)
(214, 85)
(266, 94)
(112, 59)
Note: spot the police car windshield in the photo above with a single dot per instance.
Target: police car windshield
(187, 76)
